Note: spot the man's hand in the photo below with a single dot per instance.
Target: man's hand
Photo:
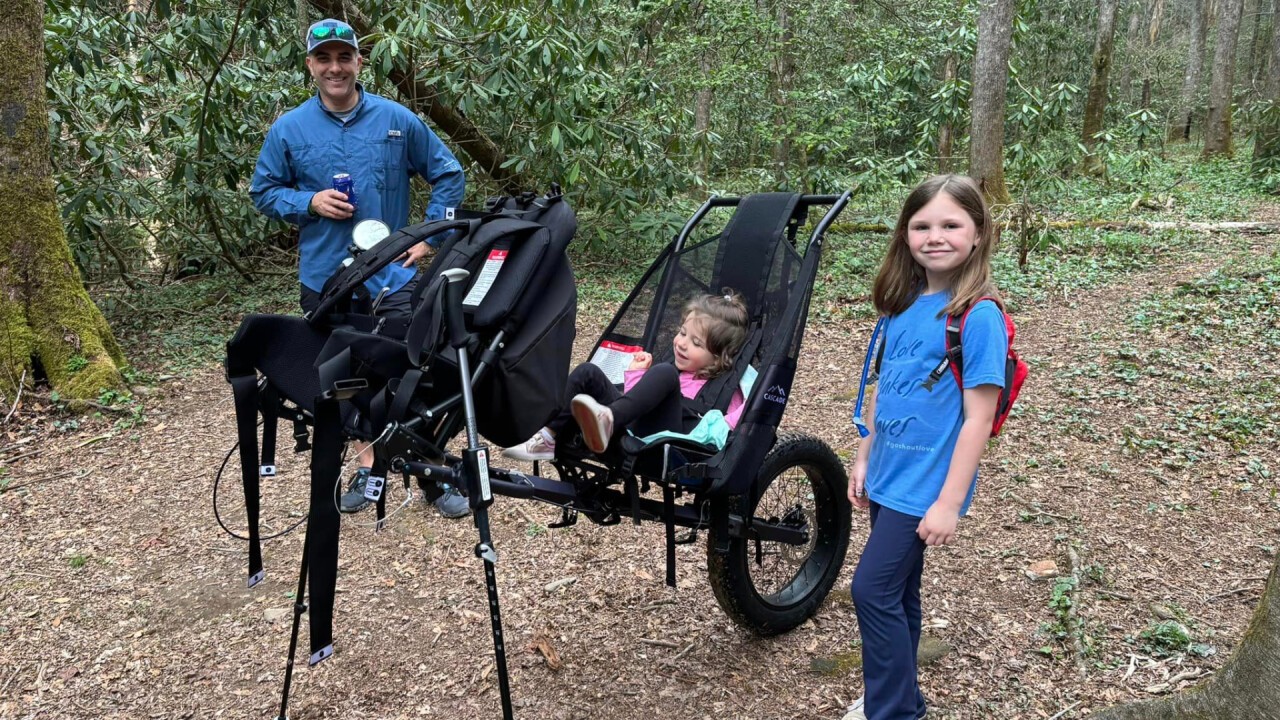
(640, 361)
(331, 204)
(415, 253)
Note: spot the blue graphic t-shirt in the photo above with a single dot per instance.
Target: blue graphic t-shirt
(916, 429)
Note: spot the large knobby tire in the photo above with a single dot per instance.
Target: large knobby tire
(776, 589)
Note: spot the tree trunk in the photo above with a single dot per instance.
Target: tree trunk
(1271, 88)
(1095, 106)
(1263, 62)
(1181, 128)
(304, 20)
(946, 133)
(45, 313)
(987, 102)
(784, 76)
(1267, 143)
(1157, 18)
(1253, 11)
(1246, 686)
(424, 98)
(704, 96)
(1132, 47)
(1217, 129)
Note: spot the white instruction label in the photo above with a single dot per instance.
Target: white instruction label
(614, 359)
(492, 265)
(482, 461)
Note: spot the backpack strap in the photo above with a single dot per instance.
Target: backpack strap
(953, 356)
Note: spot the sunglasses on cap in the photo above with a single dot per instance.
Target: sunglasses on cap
(338, 33)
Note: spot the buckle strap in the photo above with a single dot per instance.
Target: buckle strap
(244, 389)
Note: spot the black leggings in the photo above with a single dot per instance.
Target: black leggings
(654, 404)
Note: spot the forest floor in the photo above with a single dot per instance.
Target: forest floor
(1145, 441)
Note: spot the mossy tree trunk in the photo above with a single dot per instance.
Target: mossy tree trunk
(45, 313)
(1095, 107)
(987, 101)
(1217, 129)
(1246, 687)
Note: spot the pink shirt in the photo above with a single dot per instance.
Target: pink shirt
(690, 384)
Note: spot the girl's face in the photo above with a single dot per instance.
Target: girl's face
(941, 235)
(690, 345)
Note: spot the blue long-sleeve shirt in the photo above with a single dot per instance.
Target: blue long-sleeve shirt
(381, 145)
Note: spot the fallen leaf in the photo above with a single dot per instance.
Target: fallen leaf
(1042, 569)
(542, 644)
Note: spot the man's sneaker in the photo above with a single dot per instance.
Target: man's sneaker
(353, 500)
(855, 711)
(538, 447)
(452, 504)
(596, 421)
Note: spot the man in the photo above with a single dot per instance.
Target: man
(381, 145)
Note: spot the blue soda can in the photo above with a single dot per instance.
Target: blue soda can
(343, 183)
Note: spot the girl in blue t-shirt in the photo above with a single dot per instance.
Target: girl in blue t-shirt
(916, 470)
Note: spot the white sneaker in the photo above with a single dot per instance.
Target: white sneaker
(855, 711)
(538, 447)
(596, 421)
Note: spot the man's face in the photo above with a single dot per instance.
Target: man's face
(334, 66)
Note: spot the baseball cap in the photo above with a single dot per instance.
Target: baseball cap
(330, 30)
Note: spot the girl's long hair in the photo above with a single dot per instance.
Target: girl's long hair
(901, 280)
(724, 326)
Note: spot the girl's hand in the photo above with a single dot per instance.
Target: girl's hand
(938, 527)
(858, 486)
(640, 361)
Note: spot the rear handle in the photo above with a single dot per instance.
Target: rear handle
(453, 305)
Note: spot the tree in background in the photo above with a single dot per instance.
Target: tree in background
(1095, 106)
(1266, 142)
(987, 106)
(46, 317)
(1217, 128)
(1180, 129)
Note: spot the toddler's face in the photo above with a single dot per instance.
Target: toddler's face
(690, 345)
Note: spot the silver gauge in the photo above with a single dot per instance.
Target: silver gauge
(368, 233)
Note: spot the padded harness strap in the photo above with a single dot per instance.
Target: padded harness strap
(323, 525)
(718, 392)
(244, 388)
(336, 297)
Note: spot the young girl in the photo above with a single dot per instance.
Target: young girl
(713, 329)
(916, 471)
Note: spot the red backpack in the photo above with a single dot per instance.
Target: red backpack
(1015, 368)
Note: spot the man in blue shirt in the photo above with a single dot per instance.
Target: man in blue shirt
(381, 145)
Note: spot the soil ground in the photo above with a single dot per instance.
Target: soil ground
(120, 597)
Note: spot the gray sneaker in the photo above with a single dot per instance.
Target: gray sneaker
(452, 504)
(353, 500)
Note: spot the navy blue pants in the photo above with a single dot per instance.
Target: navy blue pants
(886, 595)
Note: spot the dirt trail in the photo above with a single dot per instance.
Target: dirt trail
(121, 598)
